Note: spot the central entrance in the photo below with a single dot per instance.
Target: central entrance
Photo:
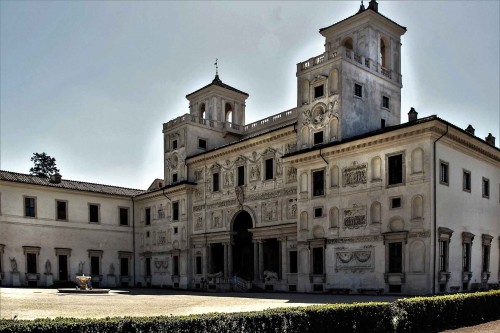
(243, 246)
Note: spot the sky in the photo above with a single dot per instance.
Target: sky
(91, 83)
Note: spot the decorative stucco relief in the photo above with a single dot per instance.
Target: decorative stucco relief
(354, 175)
(161, 266)
(354, 259)
(270, 211)
(355, 217)
(292, 208)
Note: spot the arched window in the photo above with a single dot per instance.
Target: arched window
(228, 109)
(347, 43)
(202, 111)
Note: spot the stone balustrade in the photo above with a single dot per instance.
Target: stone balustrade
(353, 58)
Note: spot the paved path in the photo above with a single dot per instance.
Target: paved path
(28, 303)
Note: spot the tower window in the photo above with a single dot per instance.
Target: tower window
(385, 102)
(486, 188)
(318, 138)
(148, 216)
(466, 181)
(241, 175)
(269, 168)
(215, 182)
(319, 91)
(174, 178)
(358, 90)
(443, 173)
(175, 211)
(174, 144)
(318, 183)
(396, 167)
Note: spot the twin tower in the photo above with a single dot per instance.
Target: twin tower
(351, 89)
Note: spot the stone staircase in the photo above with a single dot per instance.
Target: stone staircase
(241, 285)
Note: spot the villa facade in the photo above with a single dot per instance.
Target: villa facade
(339, 193)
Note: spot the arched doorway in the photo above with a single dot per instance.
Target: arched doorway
(243, 246)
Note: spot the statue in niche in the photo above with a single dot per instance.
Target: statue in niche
(80, 267)
(255, 172)
(198, 174)
(199, 223)
(279, 167)
(293, 210)
(48, 267)
(292, 174)
(228, 179)
(13, 265)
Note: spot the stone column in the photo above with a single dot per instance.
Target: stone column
(226, 275)
(230, 259)
(255, 260)
(261, 259)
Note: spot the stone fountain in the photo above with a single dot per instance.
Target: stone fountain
(83, 287)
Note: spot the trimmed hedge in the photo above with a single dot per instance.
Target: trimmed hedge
(407, 315)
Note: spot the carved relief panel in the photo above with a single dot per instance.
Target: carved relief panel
(355, 217)
(354, 175)
(355, 259)
(270, 211)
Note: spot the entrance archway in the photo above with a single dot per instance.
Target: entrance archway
(243, 246)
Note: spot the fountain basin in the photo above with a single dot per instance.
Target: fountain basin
(83, 291)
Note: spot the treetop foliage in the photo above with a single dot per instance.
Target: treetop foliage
(45, 165)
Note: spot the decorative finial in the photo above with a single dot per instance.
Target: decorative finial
(216, 67)
(361, 7)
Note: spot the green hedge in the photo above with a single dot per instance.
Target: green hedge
(406, 315)
(424, 314)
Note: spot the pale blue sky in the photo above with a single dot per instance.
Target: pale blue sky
(91, 83)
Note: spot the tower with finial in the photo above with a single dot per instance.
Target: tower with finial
(216, 117)
(354, 87)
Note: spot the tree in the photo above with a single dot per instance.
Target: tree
(45, 166)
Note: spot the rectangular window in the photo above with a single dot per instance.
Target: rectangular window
(202, 143)
(269, 168)
(241, 175)
(466, 181)
(199, 269)
(62, 210)
(317, 260)
(148, 216)
(174, 144)
(174, 178)
(94, 265)
(176, 230)
(486, 188)
(382, 123)
(175, 210)
(318, 138)
(293, 262)
(443, 173)
(396, 257)
(319, 91)
(385, 102)
(358, 90)
(466, 253)
(93, 213)
(29, 207)
(124, 266)
(318, 212)
(318, 183)
(396, 202)
(176, 265)
(148, 267)
(486, 259)
(31, 263)
(443, 255)
(215, 182)
(123, 216)
(395, 176)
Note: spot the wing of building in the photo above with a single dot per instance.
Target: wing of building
(339, 193)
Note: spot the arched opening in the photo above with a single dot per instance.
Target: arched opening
(243, 246)
(202, 111)
(384, 54)
(228, 109)
(347, 43)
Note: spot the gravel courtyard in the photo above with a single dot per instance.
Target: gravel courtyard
(31, 303)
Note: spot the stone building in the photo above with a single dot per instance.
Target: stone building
(336, 193)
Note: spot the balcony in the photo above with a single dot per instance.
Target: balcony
(354, 58)
(244, 130)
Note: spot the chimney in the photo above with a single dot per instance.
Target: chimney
(55, 178)
(373, 5)
(490, 139)
(412, 115)
(470, 129)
